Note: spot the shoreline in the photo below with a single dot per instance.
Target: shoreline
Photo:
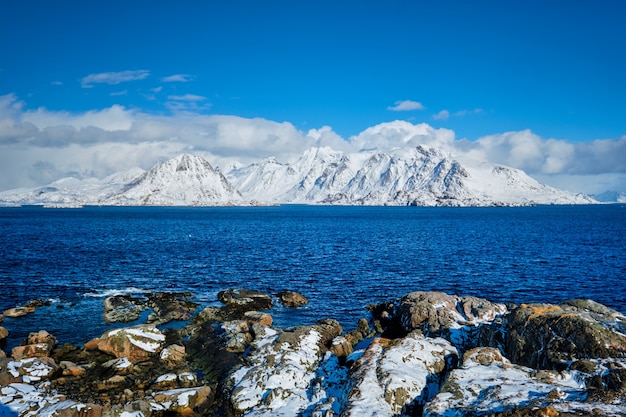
(220, 358)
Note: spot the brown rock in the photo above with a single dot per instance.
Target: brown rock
(197, 400)
(341, 347)
(71, 369)
(92, 344)
(292, 299)
(3, 333)
(258, 317)
(7, 378)
(19, 311)
(548, 336)
(40, 337)
(2, 354)
(173, 355)
(137, 343)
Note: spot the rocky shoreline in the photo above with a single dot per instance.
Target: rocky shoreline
(427, 353)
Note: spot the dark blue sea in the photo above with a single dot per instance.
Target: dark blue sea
(341, 258)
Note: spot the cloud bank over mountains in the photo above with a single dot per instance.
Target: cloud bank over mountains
(40, 146)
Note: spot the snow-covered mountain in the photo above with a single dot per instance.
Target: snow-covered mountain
(410, 176)
(185, 180)
(417, 175)
(610, 197)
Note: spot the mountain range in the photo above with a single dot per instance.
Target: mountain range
(419, 176)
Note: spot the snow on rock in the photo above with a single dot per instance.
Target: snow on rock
(460, 319)
(27, 400)
(396, 376)
(287, 373)
(488, 382)
(135, 343)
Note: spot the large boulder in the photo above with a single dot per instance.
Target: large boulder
(32, 370)
(19, 311)
(489, 383)
(168, 306)
(292, 299)
(137, 343)
(397, 377)
(37, 345)
(242, 300)
(458, 319)
(288, 372)
(547, 336)
(184, 401)
(122, 308)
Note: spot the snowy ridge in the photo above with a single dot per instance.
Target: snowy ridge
(419, 175)
(181, 181)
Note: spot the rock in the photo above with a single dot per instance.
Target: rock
(69, 408)
(120, 366)
(33, 369)
(186, 401)
(19, 311)
(396, 377)
(173, 355)
(257, 317)
(341, 347)
(28, 308)
(292, 299)
(170, 306)
(71, 369)
(173, 381)
(37, 345)
(3, 333)
(458, 319)
(548, 336)
(238, 335)
(122, 308)
(21, 399)
(489, 383)
(92, 344)
(245, 300)
(2, 354)
(137, 343)
(288, 372)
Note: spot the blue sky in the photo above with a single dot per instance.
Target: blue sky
(553, 69)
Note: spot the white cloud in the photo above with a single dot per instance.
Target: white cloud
(445, 114)
(113, 78)
(187, 97)
(119, 93)
(406, 105)
(442, 115)
(181, 78)
(40, 146)
(156, 89)
(461, 113)
(402, 134)
(56, 83)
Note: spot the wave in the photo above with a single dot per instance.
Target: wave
(114, 292)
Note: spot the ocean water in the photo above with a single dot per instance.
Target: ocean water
(341, 258)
